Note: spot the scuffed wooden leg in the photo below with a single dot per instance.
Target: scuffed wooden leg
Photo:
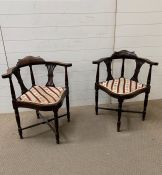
(56, 126)
(67, 107)
(119, 114)
(96, 101)
(17, 116)
(145, 106)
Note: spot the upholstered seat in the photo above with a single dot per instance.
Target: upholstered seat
(43, 95)
(122, 86)
(48, 97)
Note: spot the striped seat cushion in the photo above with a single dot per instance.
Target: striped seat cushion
(122, 86)
(42, 95)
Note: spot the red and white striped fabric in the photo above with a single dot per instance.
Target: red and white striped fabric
(42, 95)
(122, 86)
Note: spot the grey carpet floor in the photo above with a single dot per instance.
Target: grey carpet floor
(89, 145)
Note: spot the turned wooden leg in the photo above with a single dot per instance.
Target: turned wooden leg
(119, 114)
(145, 106)
(96, 101)
(37, 113)
(56, 125)
(17, 116)
(67, 107)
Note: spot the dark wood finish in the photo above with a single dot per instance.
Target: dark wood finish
(20, 81)
(123, 67)
(30, 61)
(96, 89)
(112, 109)
(44, 122)
(119, 113)
(17, 116)
(108, 65)
(67, 96)
(32, 75)
(50, 68)
(56, 125)
(139, 64)
(124, 54)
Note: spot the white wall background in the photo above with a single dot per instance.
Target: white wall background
(79, 31)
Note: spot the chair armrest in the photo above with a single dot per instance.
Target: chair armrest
(99, 60)
(150, 62)
(9, 73)
(59, 63)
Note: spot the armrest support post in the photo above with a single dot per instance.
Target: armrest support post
(98, 73)
(149, 76)
(13, 95)
(66, 79)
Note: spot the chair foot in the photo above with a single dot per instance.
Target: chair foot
(119, 114)
(143, 116)
(57, 140)
(145, 106)
(96, 110)
(56, 122)
(20, 133)
(118, 126)
(67, 107)
(68, 117)
(96, 101)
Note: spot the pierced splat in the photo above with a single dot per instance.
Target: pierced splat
(108, 65)
(50, 68)
(20, 81)
(139, 64)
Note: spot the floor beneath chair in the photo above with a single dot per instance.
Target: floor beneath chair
(89, 145)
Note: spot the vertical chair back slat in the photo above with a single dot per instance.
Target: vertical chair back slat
(32, 76)
(20, 81)
(123, 66)
(108, 63)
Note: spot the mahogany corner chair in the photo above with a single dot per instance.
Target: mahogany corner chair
(39, 98)
(122, 88)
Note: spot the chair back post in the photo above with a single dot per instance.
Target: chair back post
(66, 79)
(13, 95)
(149, 76)
(98, 73)
(32, 75)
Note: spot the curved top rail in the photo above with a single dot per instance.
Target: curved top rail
(29, 60)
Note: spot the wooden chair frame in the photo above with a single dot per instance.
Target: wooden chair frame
(30, 61)
(124, 54)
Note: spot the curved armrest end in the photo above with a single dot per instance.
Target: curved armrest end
(99, 60)
(9, 73)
